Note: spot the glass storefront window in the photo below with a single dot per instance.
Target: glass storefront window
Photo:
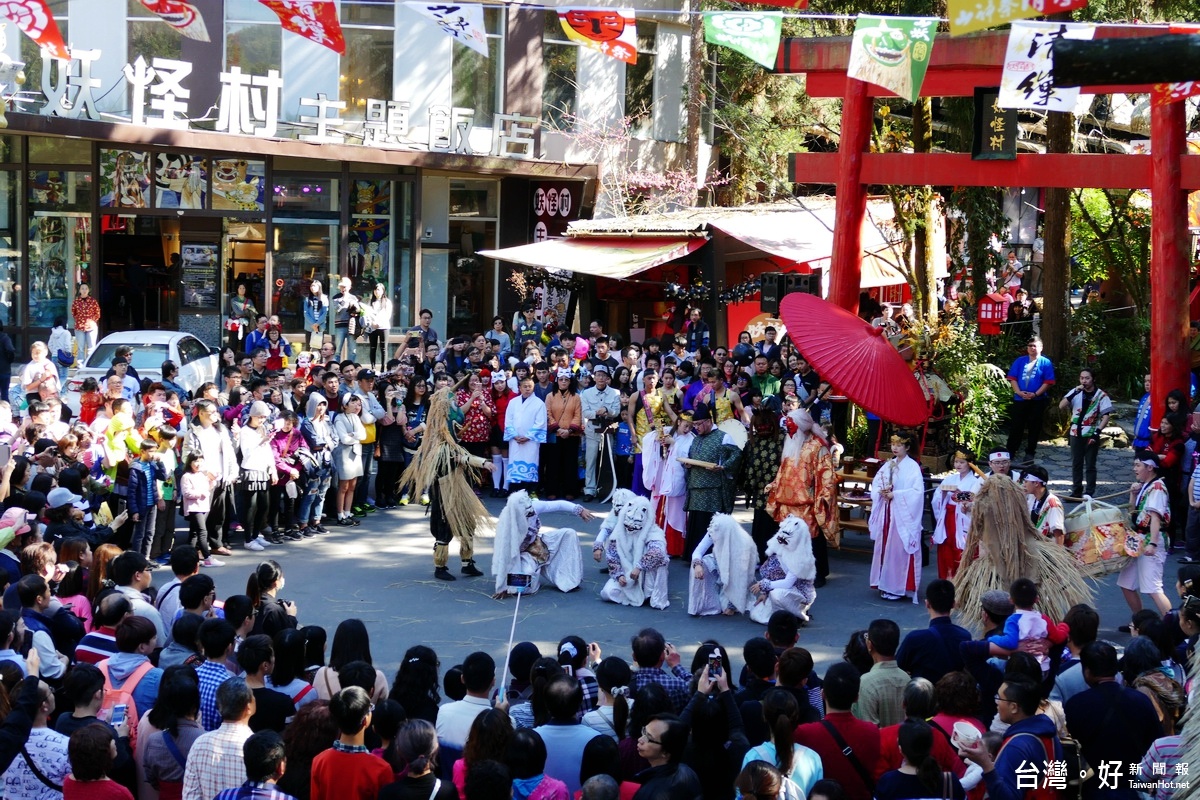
(181, 180)
(124, 179)
(366, 68)
(302, 197)
(475, 78)
(10, 253)
(238, 184)
(47, 150)
(60, 246)
(59, 190)
(560, 61)
(469, 198)
(369, 250)
(303, 250)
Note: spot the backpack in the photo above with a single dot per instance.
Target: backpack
(1042, 792)
(66, 629)
(124, 696)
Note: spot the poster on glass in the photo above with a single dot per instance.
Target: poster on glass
(199, 262)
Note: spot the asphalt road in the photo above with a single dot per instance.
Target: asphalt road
(382, 573)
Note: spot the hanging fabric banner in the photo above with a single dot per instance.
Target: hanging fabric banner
(1043, 7)
(971, 15)
(754, 35)
(892, 52)
(1027, 80)
(34, 19)
(316, 20)
(612, 31)
(799, 5)
(463, 22)
(183, 17)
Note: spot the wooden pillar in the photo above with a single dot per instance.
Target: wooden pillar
(846, 265)
(1169, 358)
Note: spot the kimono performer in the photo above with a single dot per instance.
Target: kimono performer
(806, 485)
(443, 469)
(668, 483)
(1150, 519)
(637, 558)
(952, 510)
(525, 432)
(788, 577)
(1045, 508)
(763, 456)
(898, 497)
(722, 569)
(522, 546)
(619, 499)
(709, 489)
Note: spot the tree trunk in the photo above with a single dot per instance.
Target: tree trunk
(923, 260)
(1056, 267)
(695, 97)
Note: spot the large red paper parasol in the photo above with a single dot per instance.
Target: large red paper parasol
(855, 358)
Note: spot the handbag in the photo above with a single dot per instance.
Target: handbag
(315, 340)
(65, 357)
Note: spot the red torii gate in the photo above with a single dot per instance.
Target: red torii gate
(959, 65)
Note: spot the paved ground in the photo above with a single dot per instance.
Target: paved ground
(381, 572)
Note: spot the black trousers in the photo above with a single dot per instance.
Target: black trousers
(1025, 421)
(560, 475)
(697, 526)
(220, 516)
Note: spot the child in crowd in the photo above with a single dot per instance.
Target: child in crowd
(90, 401)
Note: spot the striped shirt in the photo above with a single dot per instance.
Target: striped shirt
(96, 646)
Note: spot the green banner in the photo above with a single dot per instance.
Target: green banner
(755, 36)
(892, 52)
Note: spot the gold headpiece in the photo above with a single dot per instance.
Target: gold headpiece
(897, 439)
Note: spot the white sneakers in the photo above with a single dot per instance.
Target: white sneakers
(256, 544)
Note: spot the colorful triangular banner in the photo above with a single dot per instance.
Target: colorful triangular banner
(754, 35)
(892, 52)
(462, 21)
(612, 31)
(183, 17)
(315, 20)
(34, 19)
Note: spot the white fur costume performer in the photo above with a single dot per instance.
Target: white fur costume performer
(722, 569)
(619, 498)
(523, 547)
(637, 558)
(787, 576)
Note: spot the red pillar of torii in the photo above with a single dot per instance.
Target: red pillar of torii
(958, 66)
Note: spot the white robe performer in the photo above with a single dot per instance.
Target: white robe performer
(722, 569)
(525, 417)
(522, 546)
(637, 559)
(898, 502)
(668, 492)
(788, 575)
(619, 498)
(952, 504)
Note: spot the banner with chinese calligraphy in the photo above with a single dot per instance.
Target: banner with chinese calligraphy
(972, 15)
(315, 20)
(34, 19)
(892, 52)
(1027, 80)
(183, 17)
(463, 22)
(612, 31)
(755, 36)
(995, 128)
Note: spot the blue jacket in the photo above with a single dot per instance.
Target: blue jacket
(932, 652)
(1017, 749)
(143, 485)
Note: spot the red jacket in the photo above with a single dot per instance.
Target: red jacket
(863, 739)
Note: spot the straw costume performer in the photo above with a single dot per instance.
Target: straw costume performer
(1004, 546)
(447, 472)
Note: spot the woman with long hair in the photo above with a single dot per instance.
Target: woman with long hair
(273, 614)
(349, 433)
(171, 727)
(1168, 444)
(71, 592)
(526, 760)
(316, 314)
(288, 674)
(311, 733)
(489, 737)
(378, 321)
(533, 712)
(797, 763)
(611, 716)
(622, 381)
(278, 348)
(564, 422)
(416, 745)
(241, 315)
(98, 575)
(919, 774)
(416, 685)
(474, 402)
(416, 410)
(351, 642)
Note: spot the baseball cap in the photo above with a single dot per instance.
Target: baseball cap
(596, 370)
(367, 375)
(61, 496)
(17, 519)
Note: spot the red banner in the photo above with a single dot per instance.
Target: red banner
(1056, 6)
(315, 20)
(34, 19)
(183, 17)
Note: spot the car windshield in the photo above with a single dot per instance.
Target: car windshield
(145, 356)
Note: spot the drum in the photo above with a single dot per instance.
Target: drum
(737, 431)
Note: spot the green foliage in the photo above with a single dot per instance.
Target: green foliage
(1110, 231)
(1113, 343)
(959, 354)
